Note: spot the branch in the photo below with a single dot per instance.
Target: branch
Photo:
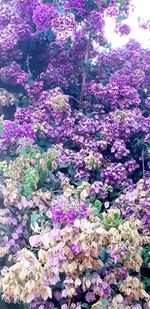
(45, 202)
(143, 163)
(28, 65)
(84, 70)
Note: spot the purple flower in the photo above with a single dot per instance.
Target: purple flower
(90, 297)
(124, 29)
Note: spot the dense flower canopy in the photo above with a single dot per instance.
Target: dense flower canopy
(74, 157)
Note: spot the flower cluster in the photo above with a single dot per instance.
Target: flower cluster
(124, 29)
(65, 211)
(21, 176)
(63, 27)
(135, 202)
(114, 175)
(11, 133)
(43, 15)
(6, 98)
(73, 251)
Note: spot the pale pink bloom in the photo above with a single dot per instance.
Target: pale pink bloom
(35, 241)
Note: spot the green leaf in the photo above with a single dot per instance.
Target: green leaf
(104, 256)
(50, 37)
(121, 1)
(55, 185)
(61, 9)
(121, 18)
(27, 191)
(116, 216)
(54, 51)
(1, 129)
(34, 218)
(104, 302)
(84, 305)
(64, 165)
(30, 81)
(146, 282)
(4, 228)
(49, 34)
(98, 205)
(71, 171)
(22, 152)
(96, 212)
(106, 2)
(87, 64)
(43, 175)
(49, 164)
(79, 182)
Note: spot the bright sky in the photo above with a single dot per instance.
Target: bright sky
(142, 10)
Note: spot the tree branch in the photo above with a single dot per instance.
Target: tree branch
(84, 69)
(143, 163)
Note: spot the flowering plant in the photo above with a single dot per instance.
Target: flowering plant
(74, 157)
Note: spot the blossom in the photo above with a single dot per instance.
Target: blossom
(124, 29)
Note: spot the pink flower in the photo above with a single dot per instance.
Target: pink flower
(90, 297)
(35, 241)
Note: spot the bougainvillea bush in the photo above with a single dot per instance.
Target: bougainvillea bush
(74, 157)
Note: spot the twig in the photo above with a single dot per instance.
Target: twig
(147, 110)
(28, 64)
(45, 202)
(143, 163)
(74, 99)
(84, 69)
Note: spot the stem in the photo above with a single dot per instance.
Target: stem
(28, 64)
(147, 110)
(45, 202)
(74, 99)
(143, 164)
(84, 70)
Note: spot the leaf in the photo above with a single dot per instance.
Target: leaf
(61, 9)
(146, 282)
(49, 164)
(54, 51)
(50, 36)
(98, 205)
(121, 18)
(71, 171)
(104, 256)
(146, 259)
(96, 212)
(116, 216)
(64, 165)
(1, 129)
(79, 182)
(34, 218)
(84, 305)
(22, 152)
(43, 175)
(105, 2)
(121, 1)
(4, 228)
(104, 301)
(30, 81)
(55, 185)
(27, 191)
(87, 62)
